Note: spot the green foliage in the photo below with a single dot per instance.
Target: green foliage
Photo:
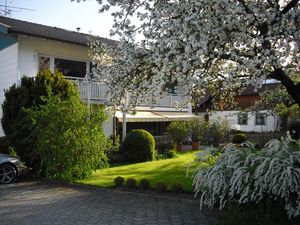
(113, 148)
(198, 127)
(266, 212)
(69, 143)
(131, 183)
(161, 186)
(247, 175)
(179, 131)
(119, 181)
(144, 184)
(239, 138)
(167, 155)
(218, 129)
(4, 145)
(138, 146)
(176, 188)
(28, 94)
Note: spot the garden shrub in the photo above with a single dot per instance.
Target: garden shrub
(31, 92)
(131, 183)
(4, 145)
(176, 188)
(119, 181)
(144, 184)
(269, 175)
(179, 131)
(113, 149)
(69, 143)
(161, 186)
(138, 146)
(198, 128)
(167, 155)
(239, 138)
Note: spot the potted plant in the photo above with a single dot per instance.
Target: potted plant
(178, 131)
(218, 129)
(198, 128)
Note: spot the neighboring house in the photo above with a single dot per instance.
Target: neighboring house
(261, 121)
(26, 47)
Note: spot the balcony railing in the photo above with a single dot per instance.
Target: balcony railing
(97, 90)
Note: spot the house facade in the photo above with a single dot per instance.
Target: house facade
(241, 119)
(26, 48)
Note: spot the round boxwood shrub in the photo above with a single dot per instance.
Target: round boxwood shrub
(138, 146)
(161, 186)
(119, 181)
(144, 184)
(239, 138)
(131, 183)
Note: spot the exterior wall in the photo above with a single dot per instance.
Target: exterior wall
(244, 101)
(232, 117)
(31, 47)
(8, 72)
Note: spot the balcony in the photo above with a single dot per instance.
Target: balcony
(98, 94)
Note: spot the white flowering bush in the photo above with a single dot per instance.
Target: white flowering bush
(251, 175)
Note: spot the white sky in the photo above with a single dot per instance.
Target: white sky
(64, 14)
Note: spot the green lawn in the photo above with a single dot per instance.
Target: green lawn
(169, 170)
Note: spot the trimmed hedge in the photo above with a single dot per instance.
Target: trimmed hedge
(138, 146)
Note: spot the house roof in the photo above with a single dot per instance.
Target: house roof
(48, 32)
(248, 91)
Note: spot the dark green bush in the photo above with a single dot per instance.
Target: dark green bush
(138, 146)
(4, 145)
(144, 184)
(31, 92)
(69, 145)
(161, 186)
(239, 138)
(267, 212)
(113, 149)
(167, 155)
(176, 188)
(131, 183)
(294, 128)
(119, 181)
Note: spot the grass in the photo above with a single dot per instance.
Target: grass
(169, 170)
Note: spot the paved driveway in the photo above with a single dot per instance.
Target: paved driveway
(33, 203)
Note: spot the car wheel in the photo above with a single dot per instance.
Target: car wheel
(7, 174)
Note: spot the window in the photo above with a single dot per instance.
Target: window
(70, 68)
(260, 119)
(243, 119)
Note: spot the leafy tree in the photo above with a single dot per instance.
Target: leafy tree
(69, 144)
(232, 43)
(28, 94)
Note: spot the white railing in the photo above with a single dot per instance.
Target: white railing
(98, 93)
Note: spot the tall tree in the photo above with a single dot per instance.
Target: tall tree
(196, 42)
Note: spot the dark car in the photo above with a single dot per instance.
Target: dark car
(10, 168)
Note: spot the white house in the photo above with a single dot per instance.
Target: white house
(242, 120)
(26, 47)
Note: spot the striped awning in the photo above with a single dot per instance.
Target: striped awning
(151, 116)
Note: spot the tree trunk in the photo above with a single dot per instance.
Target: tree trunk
(292, 88)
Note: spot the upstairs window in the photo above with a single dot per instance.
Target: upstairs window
(260, 119)
(242, 118)
(70, 68)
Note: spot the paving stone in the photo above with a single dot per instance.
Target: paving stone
(35, 203)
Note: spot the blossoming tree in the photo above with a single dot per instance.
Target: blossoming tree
(196, 42)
